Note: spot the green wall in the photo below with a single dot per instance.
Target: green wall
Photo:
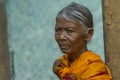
(31, 35)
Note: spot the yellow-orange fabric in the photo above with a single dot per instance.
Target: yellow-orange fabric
(88, 66)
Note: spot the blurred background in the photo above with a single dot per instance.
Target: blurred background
(31, 35)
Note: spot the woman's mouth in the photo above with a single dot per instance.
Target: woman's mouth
(64, 46)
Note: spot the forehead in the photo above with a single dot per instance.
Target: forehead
(61, 22)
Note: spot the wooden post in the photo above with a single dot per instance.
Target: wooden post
(112, 36)
(4, 53)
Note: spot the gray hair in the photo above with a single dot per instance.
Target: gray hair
(77, 12)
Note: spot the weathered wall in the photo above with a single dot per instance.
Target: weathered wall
(4, 54)
(112, 36)
(112, 40)
(31, 35)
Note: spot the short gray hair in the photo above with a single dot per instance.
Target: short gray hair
(77, 12)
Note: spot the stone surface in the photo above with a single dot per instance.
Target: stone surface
(4, 53)
(112, 37)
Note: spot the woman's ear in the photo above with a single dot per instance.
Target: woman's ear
(89, 34)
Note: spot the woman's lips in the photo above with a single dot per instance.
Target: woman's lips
(64, 46)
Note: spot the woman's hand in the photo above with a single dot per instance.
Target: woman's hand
(58, 64)
(71, 76)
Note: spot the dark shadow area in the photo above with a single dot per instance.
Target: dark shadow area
(4, 52)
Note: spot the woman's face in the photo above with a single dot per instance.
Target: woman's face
(70, 36)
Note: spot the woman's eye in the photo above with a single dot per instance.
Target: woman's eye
(69, 30)
(57, 30)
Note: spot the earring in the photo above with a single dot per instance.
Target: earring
(87, 39)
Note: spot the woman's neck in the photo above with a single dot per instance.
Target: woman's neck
(73, 56)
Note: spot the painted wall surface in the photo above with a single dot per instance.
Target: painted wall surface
(31, 35)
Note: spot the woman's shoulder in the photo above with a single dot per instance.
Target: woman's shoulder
(90, 55)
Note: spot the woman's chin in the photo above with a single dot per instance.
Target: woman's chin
(66, 51)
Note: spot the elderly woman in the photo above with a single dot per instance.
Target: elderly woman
(74, 28)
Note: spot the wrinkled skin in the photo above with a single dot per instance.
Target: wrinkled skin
(71, 37)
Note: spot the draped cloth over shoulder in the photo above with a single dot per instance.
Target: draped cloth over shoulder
(88, 66)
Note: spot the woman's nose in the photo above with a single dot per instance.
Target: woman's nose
(63, 36)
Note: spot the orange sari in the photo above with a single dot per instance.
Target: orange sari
(88, 66)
